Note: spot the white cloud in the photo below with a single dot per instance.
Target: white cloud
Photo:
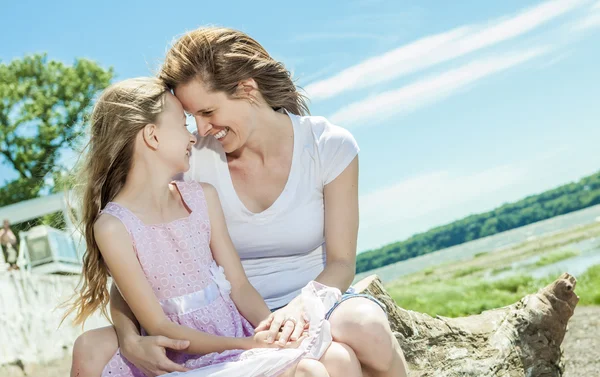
(439, 48)
(556, 59)
(428, 90)
(589, 21)
(400, 61)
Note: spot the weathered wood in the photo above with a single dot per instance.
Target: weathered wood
(520, 340)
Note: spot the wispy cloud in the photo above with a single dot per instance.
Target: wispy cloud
(556, 59)
(308, 77)
(590, 20)
(438, 48)
(429, 90)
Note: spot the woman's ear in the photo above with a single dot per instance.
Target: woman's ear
(247, 88)
(150, 135)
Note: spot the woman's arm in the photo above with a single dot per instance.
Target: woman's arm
(126, 325)
(341, 228)
(115, 245)
(341, 232)
(248, 301)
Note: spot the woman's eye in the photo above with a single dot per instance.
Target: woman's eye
(207, 113)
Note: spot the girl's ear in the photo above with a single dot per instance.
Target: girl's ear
(150, 135)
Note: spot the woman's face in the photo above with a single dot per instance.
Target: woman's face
(217, 115)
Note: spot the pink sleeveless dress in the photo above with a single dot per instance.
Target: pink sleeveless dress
(192, 290)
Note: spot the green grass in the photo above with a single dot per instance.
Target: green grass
(555, 256)
(498, 270)
(460, 296)
(467, 271)
(588, 287)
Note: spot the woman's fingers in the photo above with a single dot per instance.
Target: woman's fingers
(174, 344)
(274, 327)
(288, 328)
(298, 329)
(265, 324)
(167, 366)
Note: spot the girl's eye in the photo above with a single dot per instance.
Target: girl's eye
(207, 113)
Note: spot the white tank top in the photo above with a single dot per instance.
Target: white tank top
(283, 247)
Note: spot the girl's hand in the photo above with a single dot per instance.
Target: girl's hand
(290, 319)
(259, 340)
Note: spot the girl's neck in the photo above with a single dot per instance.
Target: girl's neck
(147, 189)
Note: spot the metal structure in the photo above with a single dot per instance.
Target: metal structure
(44, 249)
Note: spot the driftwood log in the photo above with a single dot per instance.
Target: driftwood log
(520, 340)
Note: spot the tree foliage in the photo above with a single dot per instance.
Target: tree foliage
(43, 107)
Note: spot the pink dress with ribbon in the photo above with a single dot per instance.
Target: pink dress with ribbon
(193, 292)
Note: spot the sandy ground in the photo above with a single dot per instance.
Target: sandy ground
(581, 351)
(582, 343)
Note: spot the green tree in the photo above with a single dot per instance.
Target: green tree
(43, 107)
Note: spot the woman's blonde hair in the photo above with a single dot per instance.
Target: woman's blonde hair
(120, 113)
(221, 58)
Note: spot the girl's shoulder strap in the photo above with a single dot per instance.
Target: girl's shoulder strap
(192, 194)
(129, 220)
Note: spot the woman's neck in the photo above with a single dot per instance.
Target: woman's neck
(267, 139)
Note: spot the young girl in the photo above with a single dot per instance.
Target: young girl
(167, 248)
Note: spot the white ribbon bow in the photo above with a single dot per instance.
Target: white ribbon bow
(218, 276)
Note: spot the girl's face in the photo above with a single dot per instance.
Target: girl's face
(174, 140)
(217, 115)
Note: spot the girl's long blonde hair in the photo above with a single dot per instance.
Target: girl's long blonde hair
(120, 113)
(221, 58)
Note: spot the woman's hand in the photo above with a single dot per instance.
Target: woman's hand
(290, 319)
(148, 353)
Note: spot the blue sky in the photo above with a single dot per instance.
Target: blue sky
(457, 107)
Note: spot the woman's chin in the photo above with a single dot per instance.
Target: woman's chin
(229, 147)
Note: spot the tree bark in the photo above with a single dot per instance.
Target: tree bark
(520, 340)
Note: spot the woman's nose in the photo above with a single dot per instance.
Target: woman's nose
(204, 126)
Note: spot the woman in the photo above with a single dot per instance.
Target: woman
(289, 188)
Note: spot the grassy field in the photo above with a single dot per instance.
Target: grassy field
(464, 288)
